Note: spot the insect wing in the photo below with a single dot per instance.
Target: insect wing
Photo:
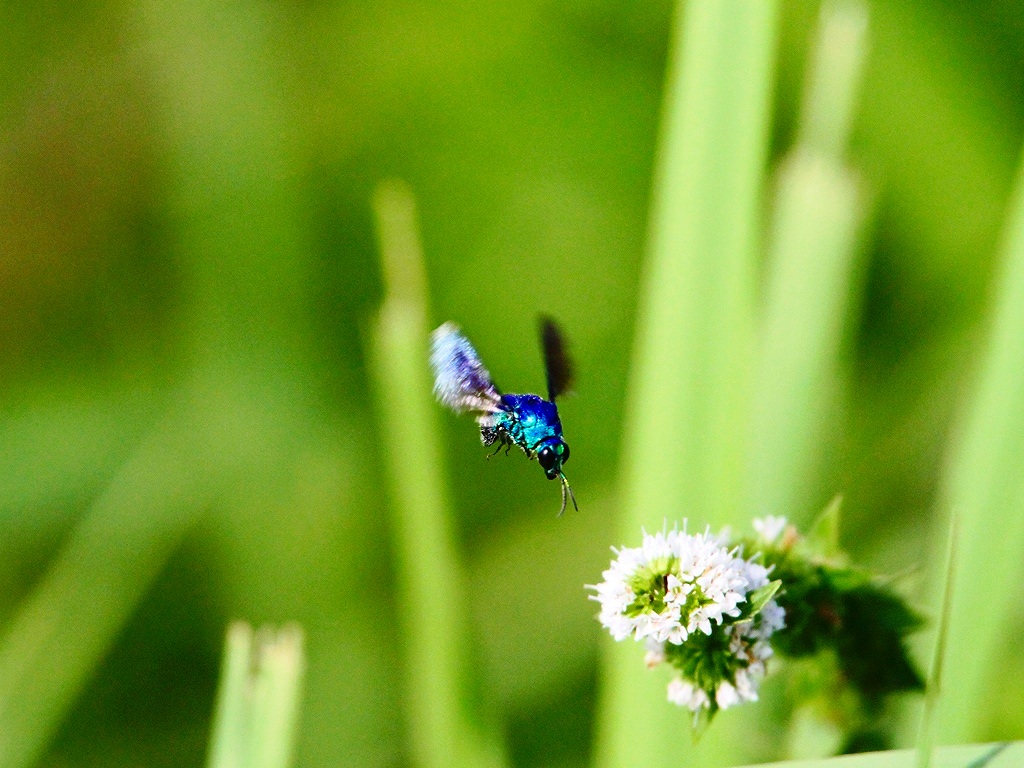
(460, 380)
(556, 358)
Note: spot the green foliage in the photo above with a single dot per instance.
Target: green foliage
(705, 660)
(849, 624)
(757, 599)
(845, 610)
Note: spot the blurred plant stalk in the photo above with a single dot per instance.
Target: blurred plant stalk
(688, 401)
(984, 487)
(811, 249)
(444, 731)
(65, 627)
(257, 702)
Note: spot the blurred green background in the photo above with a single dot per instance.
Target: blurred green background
(187, 274)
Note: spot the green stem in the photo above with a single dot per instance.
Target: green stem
(227, 744)
(933, 693)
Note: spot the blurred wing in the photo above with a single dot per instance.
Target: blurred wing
(556, 359)
(460, 380)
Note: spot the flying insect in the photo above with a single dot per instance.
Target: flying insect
(528, 422)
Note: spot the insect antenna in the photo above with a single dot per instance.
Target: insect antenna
(567, 487)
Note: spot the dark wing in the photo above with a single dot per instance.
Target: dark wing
(556, 359)
(460, 380)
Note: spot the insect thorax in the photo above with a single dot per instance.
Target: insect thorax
(528, 422)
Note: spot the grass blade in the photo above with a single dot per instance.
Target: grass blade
(429, 572)
(257, 703)
(685, 422)
(1003, 755)
(831, 90)
(70, 620)
(275, 696)
(926, 731)
(811, 248)
(227, 744)
(985, 486)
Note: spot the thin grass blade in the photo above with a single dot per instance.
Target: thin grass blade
(984, 484)
(430, 581)
(926, 730)
(257, 702)
(231, 716)
(811, 247)
(276, 685)
(68, 623)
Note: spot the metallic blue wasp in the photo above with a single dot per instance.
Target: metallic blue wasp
(528, 421)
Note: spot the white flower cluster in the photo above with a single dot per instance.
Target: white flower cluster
(703, 582)
(676, 584)
(748, 642)
(770, 528)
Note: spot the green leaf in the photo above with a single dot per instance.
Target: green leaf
(429, 572)
(962, 756)
(759, 598)
(823, 535)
